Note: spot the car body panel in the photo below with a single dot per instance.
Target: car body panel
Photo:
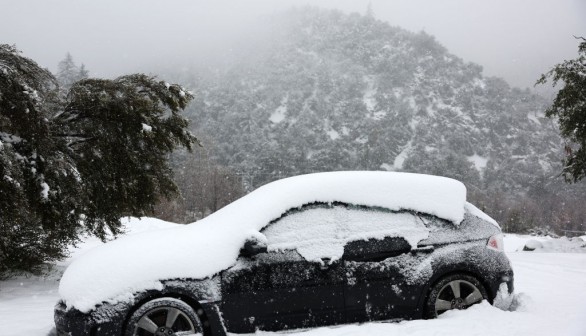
(290, 293)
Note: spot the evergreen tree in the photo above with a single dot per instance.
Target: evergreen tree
(38, 207)
(68, 72)
(369, 11)
(120, 132)
(77, 164)
(83, 72)
(569, 106)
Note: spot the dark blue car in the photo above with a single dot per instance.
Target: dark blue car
(319, 263)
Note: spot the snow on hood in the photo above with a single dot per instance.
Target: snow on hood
(116, 270)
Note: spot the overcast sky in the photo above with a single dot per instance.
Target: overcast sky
(514, 39)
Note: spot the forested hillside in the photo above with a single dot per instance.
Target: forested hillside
(329, 91)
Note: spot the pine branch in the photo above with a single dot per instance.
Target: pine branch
(80, 141)
(70, 135)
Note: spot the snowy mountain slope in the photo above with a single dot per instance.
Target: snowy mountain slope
(331, 91)
(318, 90)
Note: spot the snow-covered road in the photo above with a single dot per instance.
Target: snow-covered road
(550, 287)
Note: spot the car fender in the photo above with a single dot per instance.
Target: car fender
(467, 258)
(202, 295)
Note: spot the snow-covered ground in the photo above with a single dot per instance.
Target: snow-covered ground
(549, 287)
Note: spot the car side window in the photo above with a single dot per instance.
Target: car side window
(434, 223)
(375, 249)
(329, 231)
(441, 231)
(303, 230)
(384, 235)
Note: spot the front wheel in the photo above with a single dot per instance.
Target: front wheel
(457, 291)
(164, 317)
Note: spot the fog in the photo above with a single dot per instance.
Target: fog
(514, 39)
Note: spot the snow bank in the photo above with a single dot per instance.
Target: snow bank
(562, 244)
(114, 271)
(547, 244)
(515, 242)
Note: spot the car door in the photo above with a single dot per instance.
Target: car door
(303, 294)
(244, 290)
(280, 289)
(378, 284)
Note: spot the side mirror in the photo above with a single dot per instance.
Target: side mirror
(252, 247)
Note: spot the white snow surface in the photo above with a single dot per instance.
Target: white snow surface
(478, 161)
(333, 134)
(547, 244)
(369, 98)
(401, 157)
(140, 261)
(147, 128)
(280, 112)
(542, 311)
(323, 233)
(45, 190)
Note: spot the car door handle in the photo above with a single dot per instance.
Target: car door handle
(423, 249)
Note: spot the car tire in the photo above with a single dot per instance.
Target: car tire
(164, 316)
(456, 291)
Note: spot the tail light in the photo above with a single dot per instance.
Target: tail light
(496, 243)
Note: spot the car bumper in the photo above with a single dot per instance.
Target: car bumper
(495, 285)
(106, 320)
(509, 280)
(109, 320)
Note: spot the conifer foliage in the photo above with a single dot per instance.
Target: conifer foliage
(75, 164)
(68, 72)
(569, 106)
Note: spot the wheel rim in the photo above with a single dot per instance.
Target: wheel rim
(165, 321)
(457, 294)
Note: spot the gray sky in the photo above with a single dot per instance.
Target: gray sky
(514, 39)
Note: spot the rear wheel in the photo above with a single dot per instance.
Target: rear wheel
(164, 317)
(457, 291)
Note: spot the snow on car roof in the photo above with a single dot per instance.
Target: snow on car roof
(436, 195)
(114, 271)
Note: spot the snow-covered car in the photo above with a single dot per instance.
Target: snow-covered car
(306, 251)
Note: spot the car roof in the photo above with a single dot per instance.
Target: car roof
(439, 196)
